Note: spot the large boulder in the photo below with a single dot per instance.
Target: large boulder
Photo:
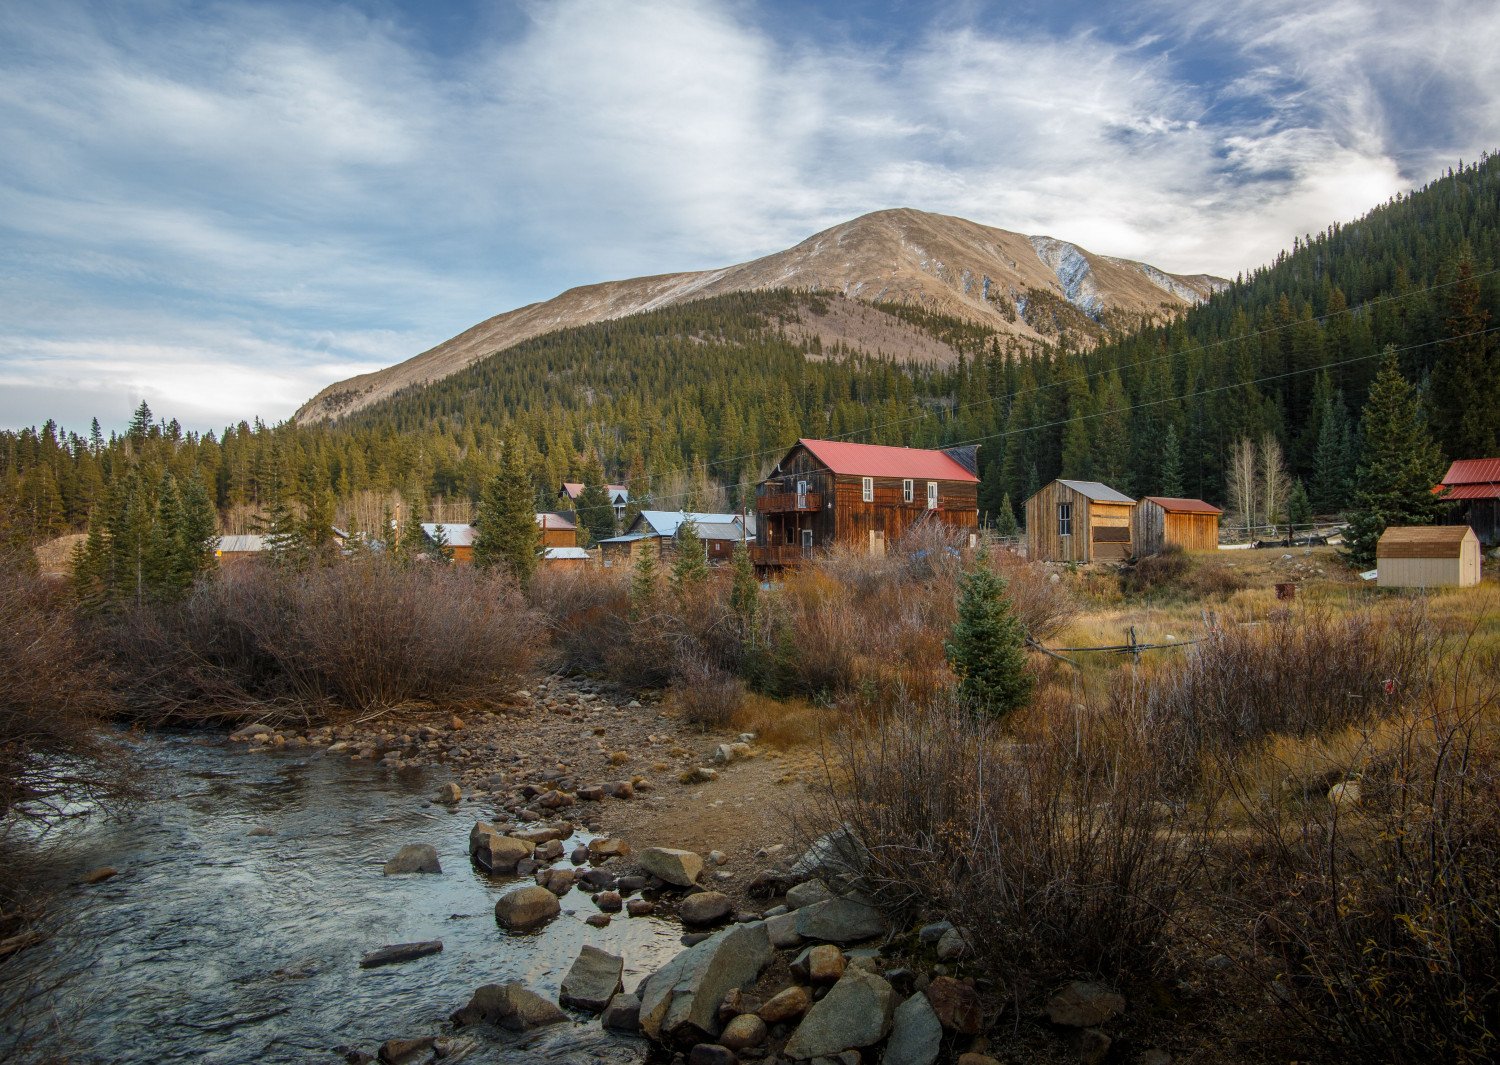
(526, 908)
(414, 858)
(509, 1005)
(495, 852)
(807, 893)
(677, 867)
(916, 1034)
(855, 1013)
(593, 980)
(1084, 1005)
(680, 1001)
(836, 856)
(841, 920)
(399, 952)
(705, 907)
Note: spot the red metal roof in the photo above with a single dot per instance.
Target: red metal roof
(1471, 491)
(1173, 505)
(1473, 471)
(877, 460)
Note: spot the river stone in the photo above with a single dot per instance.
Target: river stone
(1084, 1005)
(501, 854)
(806, 894)
(745, 1031)
(856, 1012)
(786, 1005)
(593, 980)
(510, 1005)
(838, 854)
(680, 1001)
(673, 866)
(99, 875)
(956, 1005)
(399, 952)
(782, 928)
(403, 1051)
(623, 1014)
(600, 849)
(712, 1054)
(414, 858)
(526, 908)
(916, 1034)
(842, 920)
(705, 907)
(822, 964)
(952, 945)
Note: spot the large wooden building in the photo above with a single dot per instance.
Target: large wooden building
(1474, 494)
(826, 492)
(1427, 556)
(1159, 522)
(1079, 521)
(656, 530)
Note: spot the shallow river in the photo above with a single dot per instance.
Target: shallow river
(212, 945)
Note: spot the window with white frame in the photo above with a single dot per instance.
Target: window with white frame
(931, 495)
(867, 489)
(1065, 519)
(801, 494)
(907, 491)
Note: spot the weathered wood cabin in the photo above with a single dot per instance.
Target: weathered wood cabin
(1427, 556)
(1079, 521)
(457, 538)
(557, 531)
(1474, 494)
(1158, 522)
(825, 492)
(656, 530)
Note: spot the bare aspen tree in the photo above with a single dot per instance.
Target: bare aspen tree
(1240, 481)
(1275, 481)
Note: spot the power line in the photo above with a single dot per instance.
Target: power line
(1202, 349)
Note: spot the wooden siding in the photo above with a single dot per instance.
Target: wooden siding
(1428, 557)
(1153, 528)
(1481, 515)
(1100, 531)
(559, 537)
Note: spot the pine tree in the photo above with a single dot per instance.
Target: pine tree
(986, 649)
(1399, 466)
(1333, 458)
(277, 522)
(1170, 470)
(1298, 507)
(595, 511)
(689, 566)
(1466, 380)
(744, 592)
(140, 423)
(318, 516)
(1005, 520)
(507, 534)
(643, 582)
(198, 533)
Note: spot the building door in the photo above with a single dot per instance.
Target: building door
(877, 542)
(807, 539)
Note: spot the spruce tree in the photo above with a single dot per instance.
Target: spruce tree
(744, 592)
(595, 511)
(1333, 459)
(1398, 468)
(1298, 507)
(987, 648)
(1005, 520)
(643, 582)
(1466, 380)
(506, 534)
(689, 566)
(1170, 477)
(198, 533)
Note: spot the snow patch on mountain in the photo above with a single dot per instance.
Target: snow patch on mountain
(1073, 272)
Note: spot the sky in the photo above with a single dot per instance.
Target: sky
(222, 207)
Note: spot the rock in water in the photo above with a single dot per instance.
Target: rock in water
(526, 908)
(842, 920)
(673, 866)
(705, 907)
(916, 1034)
(399, 952)
(1084, 1005)
(623, 1014)
(593, 981)
(496, 853)
(680, 1001)
(414, 858)
(856, 1012)
(510, 1005)
(99, 875)
(404, 1051)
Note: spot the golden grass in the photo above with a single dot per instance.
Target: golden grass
(781, 723)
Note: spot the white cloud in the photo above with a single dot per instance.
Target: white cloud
(291, 195)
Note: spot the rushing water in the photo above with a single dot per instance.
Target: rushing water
(213, 945)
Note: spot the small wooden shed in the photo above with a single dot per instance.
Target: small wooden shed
(1079, 521)
(1427, 556)
(1190, 524)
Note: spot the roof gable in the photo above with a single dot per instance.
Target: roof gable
(1473, 471)
(1423, 541)
(666, 522)
(878, 460)
(454, 534)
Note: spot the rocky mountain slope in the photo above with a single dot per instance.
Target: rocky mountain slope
(1027, 287)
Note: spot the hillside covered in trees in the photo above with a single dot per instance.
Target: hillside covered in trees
(696, 400)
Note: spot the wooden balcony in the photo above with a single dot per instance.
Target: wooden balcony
(788, 502)
(779, 554)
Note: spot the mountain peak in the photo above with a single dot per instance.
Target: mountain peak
(941, 263)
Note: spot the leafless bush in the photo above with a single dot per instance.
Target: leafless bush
(704, 693)
(585, 612)
(364, 636)
(1172, 574)
(55, 702)
(1050, 848)
(1376, 920)
(1299, 674)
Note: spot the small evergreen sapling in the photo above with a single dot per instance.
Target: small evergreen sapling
(987, 648)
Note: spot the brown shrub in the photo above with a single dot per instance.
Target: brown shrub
(583, 611)
(1173, 574)
(704, 693)
(364, 636)
(55, 701)
(1051, 849)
